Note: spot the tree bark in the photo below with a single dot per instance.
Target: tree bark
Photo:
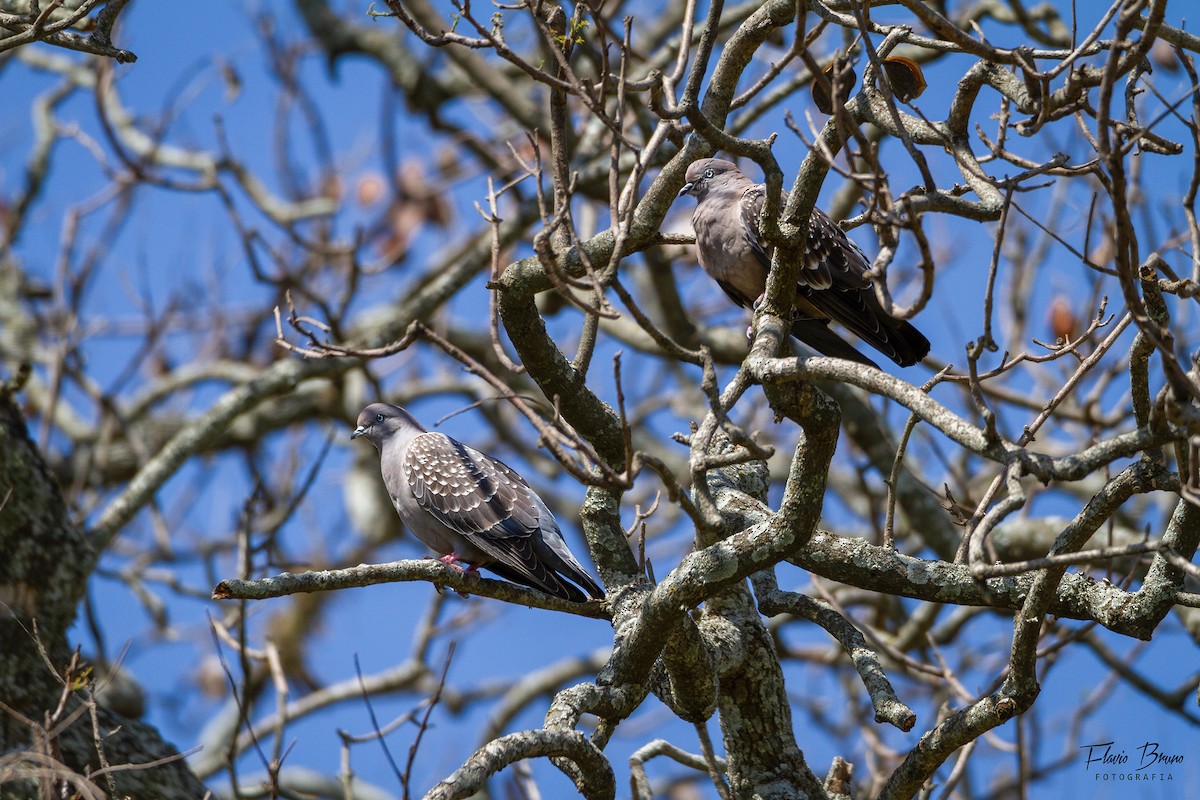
(48, 715)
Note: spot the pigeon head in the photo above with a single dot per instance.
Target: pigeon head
(379, 421)
(707, 174)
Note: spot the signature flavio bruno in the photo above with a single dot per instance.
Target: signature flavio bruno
(1145, 756)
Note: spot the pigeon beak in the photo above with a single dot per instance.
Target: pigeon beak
(361, 430)
(687, 188)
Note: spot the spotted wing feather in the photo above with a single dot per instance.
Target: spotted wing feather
(816, 273)
(833, 286)
(482, 499)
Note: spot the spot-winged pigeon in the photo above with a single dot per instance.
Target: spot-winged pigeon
(831, 286)
(469, 507)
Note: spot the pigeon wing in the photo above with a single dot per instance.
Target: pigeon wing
(850, 299)
(816, 271)
(481, 499)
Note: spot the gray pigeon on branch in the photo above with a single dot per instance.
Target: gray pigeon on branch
(831, 286)
(469, 507)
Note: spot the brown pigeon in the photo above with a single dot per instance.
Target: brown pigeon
(831, 284)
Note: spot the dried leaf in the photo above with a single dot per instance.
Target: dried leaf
(905, 76)
(842, 79)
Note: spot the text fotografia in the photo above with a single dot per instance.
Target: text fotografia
(1146, 762)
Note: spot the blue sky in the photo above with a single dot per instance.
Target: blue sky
(179, 245)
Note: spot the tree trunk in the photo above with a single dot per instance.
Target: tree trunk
(48, 714)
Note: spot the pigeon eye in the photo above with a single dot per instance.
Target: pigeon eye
(379, 417)
(708, 173)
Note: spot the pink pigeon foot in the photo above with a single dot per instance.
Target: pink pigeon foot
(754, 306)
(451, 560)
